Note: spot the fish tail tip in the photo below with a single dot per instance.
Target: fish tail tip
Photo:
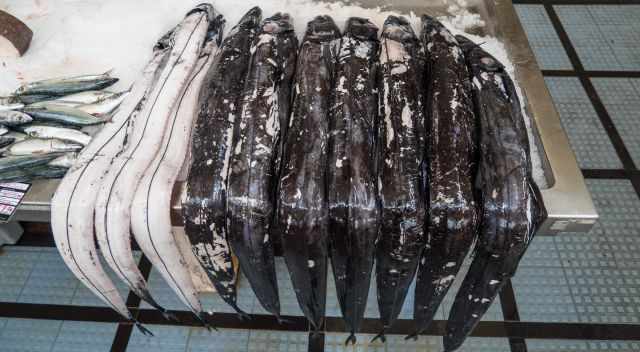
(351, 340)
(381, 336)
(143, 329)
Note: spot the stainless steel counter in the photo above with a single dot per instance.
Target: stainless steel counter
(567, 199)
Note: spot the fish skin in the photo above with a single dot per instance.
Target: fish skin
(254, 166)
(62, 115)
(302, 210)
(3, 130)
(204, 210)
(38, 146)
(31, 173)
(52, 132)
(69, 85)
(353, 202)
(450, 149)
(14, 118)
(511, 205)
(64, 161)
(402, 139)
(33, 99)
(10, 105)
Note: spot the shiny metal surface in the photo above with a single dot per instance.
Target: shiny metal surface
(567, 200)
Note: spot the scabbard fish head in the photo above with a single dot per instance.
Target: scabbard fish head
(322, 29)
(278, 23)
(478, 58)
(361, 28)
(399, 29)
(433, 31)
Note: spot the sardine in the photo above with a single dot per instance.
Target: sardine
(9, 163)
(63, 115)
(204, 210)
(255, 164)
(86, 97)
(512, 208)
(35, 146)
(64, 161)
(67, 85)
(53, 132)
(5, 141)
(450, 154)
(14, 118)
(31, 173)
(302, 209)
(354, 213)
(402, 140)
(104, 107)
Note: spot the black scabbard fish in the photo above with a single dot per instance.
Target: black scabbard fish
(450, 151)
(254, 173)
(402, 138)
(352, 175)
(511, 204)
(302, 210)
(204, 210)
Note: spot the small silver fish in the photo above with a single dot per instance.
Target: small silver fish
(88, 97)
(67, 160)
(63, 115)
(10, 106)
(52, 132)
(39, 146)
(14, 118)
(106, 106)
(18, 162)
(67, 85)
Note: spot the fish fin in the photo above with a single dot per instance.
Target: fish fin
(142, 329)
(413, 336)
(380, 336)
(202, 317)
(351, 339)
(108, 72)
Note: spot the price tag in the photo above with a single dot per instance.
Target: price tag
(11, 194)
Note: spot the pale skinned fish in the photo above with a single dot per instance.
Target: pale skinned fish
(35, 146)
(53, 132)
(67, 85)
(14, 118)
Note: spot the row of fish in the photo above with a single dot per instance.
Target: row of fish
(348, 148)
(55, 123)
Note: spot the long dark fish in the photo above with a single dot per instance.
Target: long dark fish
(512, 208)
(352, 175)
(254, 172)
(204, 210)
(302, 209)
(450, 150)
(402, 239)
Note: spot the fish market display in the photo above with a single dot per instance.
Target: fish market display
(511, 205)
(151, 206)
(74, 203)
(204, 210)
(255, 162)
(113, 203)
(302, 210)
(352, 175)
(402, 138)
(450, 147)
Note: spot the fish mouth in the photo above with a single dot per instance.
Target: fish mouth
(278, 23)
(322, 27)
(361, 28)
